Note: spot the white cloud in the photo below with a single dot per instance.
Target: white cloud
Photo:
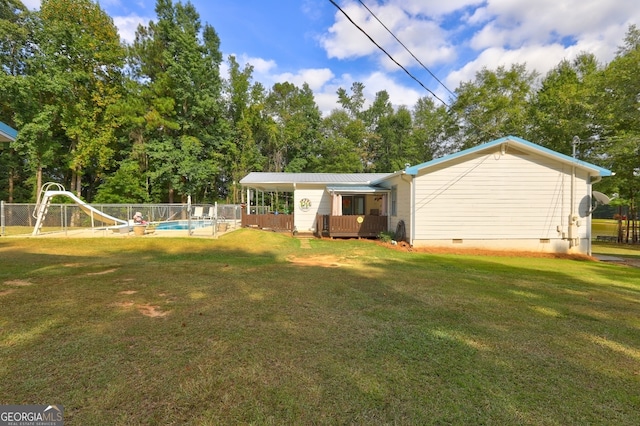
(32, 4)
(515, 23)
(434, 9)
(540, 58)
(398, 94)
(344, 40)
(127, 26)
(478, 16)
(543, 33)
(327, 101)
(265, 71)
(260, 65)
(327, 98)
(315, 78)
(423, 37)
(466, 35)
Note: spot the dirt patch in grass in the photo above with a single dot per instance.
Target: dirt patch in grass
(18, 283)
(327, 261)
(151, 311)
(146, 309)
(128, 292)
(108, 271)
(6, 292)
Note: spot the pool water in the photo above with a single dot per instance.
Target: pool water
(175, 225)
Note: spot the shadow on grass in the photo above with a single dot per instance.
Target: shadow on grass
(249, 335)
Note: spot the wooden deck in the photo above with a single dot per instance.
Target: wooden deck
(349, 226)
(353, 226)
(273, 222)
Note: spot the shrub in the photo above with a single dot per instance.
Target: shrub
(386, 236)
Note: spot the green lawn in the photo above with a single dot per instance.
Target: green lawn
(605, 227)
(253, 328)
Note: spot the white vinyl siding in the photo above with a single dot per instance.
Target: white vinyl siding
(494, 196)
(320, 204)
(403, 203)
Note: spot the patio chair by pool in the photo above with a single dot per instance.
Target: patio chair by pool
(197, 212)
(210, 214)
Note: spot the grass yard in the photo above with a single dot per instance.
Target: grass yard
(253, 328)
(604, 227)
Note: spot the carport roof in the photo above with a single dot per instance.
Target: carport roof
(287, 182)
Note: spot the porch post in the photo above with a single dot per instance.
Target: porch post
(336, 205)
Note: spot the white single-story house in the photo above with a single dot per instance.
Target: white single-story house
(507, 194)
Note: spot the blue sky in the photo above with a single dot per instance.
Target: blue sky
(311, 40)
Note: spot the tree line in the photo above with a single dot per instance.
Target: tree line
(155, 121)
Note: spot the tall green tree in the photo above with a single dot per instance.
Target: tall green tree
(494, 105)
(244, 110)
(352, 103)
(618, 119)
(128, 180)
(431, 127)
(14, 37)
(373, 144)
(358, 132)
(297, 117)
(397, 148)
(563, 107)
(82, 47)
(177, 60)
(71, 78)
(338, 148)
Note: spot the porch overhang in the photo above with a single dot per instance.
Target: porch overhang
(289, 182)
(344, 189)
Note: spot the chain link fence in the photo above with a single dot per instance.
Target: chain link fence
(20, 219)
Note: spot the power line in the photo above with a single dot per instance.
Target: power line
(406, 48)
(387, 53)
(471, 122)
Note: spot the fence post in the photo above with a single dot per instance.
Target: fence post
(214, 220)
(2, 224)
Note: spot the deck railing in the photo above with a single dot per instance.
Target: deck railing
(355, 226)
(365, 226)
(274, 222)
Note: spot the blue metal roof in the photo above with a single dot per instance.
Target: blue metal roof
(414, 170)
(7, 134)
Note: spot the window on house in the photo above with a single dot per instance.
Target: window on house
(352, 204)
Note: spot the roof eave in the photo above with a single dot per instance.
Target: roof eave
(600, 171)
